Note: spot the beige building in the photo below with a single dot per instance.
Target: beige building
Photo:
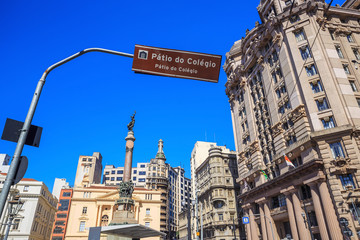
(293, 88)
(217, 191)
(94, 206)
(88, 170)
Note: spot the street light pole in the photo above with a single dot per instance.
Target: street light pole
(25, 130)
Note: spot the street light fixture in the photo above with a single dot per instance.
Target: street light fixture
(13, 209)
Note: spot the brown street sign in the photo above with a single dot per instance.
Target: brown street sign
(176, 63)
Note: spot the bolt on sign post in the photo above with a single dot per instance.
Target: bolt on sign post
(176, 63)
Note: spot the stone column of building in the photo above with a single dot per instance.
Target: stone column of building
(253, 225)
(292, 220)
(262, 218)
(330, 215)
(318, 210)
(99, 215)
(270, 224)
(304, 233)
(248, 228)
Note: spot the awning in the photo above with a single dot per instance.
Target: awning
(131, 231)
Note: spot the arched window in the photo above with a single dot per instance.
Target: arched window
(104, 220)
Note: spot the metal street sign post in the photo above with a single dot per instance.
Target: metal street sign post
(191, 65)
(176, 63)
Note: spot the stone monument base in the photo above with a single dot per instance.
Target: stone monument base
(123, 217)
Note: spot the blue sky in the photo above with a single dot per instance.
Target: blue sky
(86, 103)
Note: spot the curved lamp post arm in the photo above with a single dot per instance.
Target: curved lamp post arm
(24, 131)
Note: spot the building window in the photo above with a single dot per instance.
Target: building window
(290, 140)
(135, 171)
(328, 122)
(347, 181)
(64, 205)
(305, 192)
(221, 217)
(142, 166)
(147, 224)
(56, 230)
(82, 226)
(60, 223)
(104, 220)
(142, 173)
(120, 172)
(293, 18)
(353, 86)
(297, 161)
(119, 179)
(310, 70)
(312, 218)
(107, 173)
(134, 178)
(26, 188)
(339, 52)
(305, 52)
(148, 211)
(16, 224)
(84, 211)
(322, 104)
(270, 61)
(113, 172)
(332, 34)
(141, 180)
(275, 56)
(61, 215)
(337, 149)
(112, 178)
(316, 86)
(356, 53)
(288, 2)
(358, 101)
(278, 201)
(346, 69)
(350, 38)
(66, 194)
(299, 35)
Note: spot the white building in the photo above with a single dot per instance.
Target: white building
(4, 162)
(198, 155)
(114, 175)
(59, 184)
(36, 217)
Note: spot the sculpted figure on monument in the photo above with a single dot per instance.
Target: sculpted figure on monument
(126, 189)
(132, 123)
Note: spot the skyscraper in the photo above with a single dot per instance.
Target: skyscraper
(293, 88)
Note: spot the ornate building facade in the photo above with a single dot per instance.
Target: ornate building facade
(293, 88)
(217, 191)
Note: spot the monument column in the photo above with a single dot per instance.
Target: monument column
(130, 139)
(124, 205)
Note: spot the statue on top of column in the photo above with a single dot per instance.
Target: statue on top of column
(132, 123)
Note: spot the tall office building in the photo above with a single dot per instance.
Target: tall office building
(179, 194)
(62, 214)
(158, 179)
(114, 175)
(198, 155)
(88, 170)
(59, 183)
(293, 88)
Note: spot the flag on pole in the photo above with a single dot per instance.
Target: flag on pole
(288, 162)
(265, 175)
